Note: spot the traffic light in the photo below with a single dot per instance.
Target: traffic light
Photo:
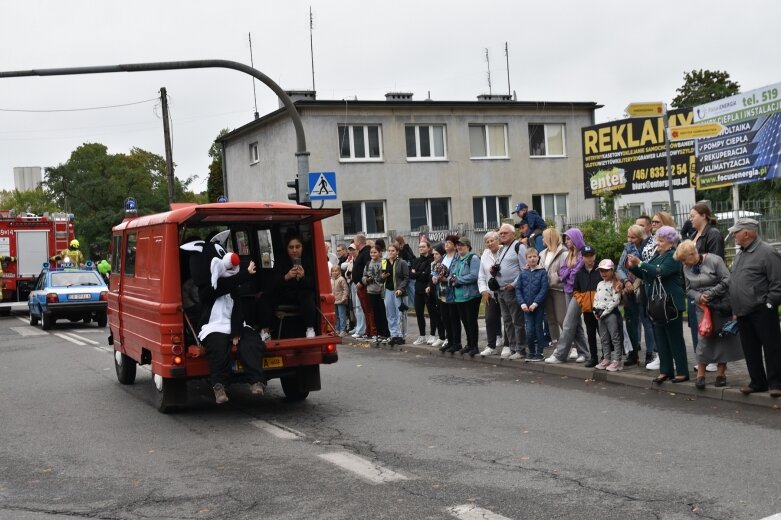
(294, 185)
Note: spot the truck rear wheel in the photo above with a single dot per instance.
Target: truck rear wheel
(125, 367)
(296, 387)
(170, 394)
(47, 320)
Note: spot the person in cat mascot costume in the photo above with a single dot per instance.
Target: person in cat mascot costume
(217, 275)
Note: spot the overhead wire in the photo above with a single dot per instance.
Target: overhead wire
(77, 109)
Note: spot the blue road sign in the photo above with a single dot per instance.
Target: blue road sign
(322, 185)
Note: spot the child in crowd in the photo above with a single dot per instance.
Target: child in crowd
(375, 286)
(341, 297)
(611, 324)
(585, 290)
(531, 288)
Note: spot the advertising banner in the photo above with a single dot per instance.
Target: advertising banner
(628, 156)
(748, 149)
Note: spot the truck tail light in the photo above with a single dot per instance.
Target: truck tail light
(177, 360)
(177, 349)
(330, 348)
(52, 298)
(104, 296)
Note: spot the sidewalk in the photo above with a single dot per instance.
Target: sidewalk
(636, 376)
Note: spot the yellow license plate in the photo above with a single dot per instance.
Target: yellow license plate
(272, 362)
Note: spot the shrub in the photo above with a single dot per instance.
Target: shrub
(602, 235)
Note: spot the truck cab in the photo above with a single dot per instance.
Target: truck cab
(146, 314)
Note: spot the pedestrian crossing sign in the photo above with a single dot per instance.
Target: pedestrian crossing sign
(322, 185)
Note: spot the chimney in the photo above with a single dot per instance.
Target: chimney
(300, 95)
(398, 96)
(494, 97)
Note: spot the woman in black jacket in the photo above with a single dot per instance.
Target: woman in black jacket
(420, 272)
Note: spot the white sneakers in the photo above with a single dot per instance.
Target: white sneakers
(573, 353)
(553, 360)
(653, 365)
(421, 340)
(602, 365)
(506, 352)
(310, 332)
(431, 339)
(614, 366)
(488, 351)
(438, 342)
(580, 359)
(711, 367)
(264, 335)
(515, 355)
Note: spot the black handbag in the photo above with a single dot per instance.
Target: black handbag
(493, 284)
(660, 305)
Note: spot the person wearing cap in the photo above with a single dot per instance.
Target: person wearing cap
(585, 290)
(535, 221)
(463, 278)
(755, 293)
(446, 293)
(611, 324)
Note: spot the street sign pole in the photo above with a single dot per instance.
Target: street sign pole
(669, 162)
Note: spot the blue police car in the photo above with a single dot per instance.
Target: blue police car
(68, 293)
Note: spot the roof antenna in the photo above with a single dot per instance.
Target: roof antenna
(311, 46)
(507, 57)
(488, 64)
(252, 63)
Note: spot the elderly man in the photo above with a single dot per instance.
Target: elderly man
(512, 257)
(755, 293)
(493, 319)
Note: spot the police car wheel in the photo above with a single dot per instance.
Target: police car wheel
(101, 320)
(47, 320)
(33, 319)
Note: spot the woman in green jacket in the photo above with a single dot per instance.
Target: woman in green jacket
(668, 336)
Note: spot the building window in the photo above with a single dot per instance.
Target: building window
(433, 213)
(656, 207)
(425, 142)
(488, 141)
(253, 153)
(635, 210)
(366, 216)
(490, 211)
(550, 205)
(546, 141)
(360, 143)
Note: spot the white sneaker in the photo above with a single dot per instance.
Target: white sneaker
(711, 367)
(506, 352)
(431, 339)
(264, 335)
(357, 335)
(488, 351)
(581, 359)
(421, 340)
(553, 360)
(516, 355)
(602, 365)
(573, 353)
(444, 344)
(310, 332)
(438, 343)
(653, 365)
(614, 366)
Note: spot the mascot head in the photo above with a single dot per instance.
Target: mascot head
(210, 261)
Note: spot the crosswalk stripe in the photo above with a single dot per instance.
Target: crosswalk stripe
(81, 338)
(364, 468)
(277, 431)
(68, 338)
(29, 331)
(472, 512)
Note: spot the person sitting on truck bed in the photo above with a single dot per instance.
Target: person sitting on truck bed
(217, 275)
(293, 283)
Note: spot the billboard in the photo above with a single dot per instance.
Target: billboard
(748, 149)
(628, 156)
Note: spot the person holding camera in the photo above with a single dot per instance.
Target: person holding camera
(447, 303)
(463, 280)
(512, 258)
(489, 267)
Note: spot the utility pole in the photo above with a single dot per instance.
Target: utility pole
(169, 160)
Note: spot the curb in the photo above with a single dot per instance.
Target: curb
(578, 371)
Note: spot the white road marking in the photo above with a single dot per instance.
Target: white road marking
(68, 338)
(472, 512)
(776, 516)
(278, 431)
(364, 468)
(99, 349)
(81, 338)
(29, 331)
(88, 331)
(23, 320)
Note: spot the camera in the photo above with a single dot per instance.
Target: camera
(452, 280)
(495, 269)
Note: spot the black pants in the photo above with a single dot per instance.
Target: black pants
(493, 321)
(760, 332)
(304, 300)
(421, 302)
(467, 313)
(435, 315)
(591, 333)
(250, 353)
(380, 318)
(452, 323)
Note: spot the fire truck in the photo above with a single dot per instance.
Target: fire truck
(26, 242)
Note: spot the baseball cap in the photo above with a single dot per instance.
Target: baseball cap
(744, 223)
(519, 207)
(606, 264)
(464, 241)
(351, 246)
(588, 250)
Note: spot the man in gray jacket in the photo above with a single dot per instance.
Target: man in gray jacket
(512, 257)
(755, 293)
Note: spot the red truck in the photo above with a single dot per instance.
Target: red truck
(26, 242)
(147, 321)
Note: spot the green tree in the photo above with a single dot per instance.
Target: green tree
(36, 201)
(214, 184)
(703, 86)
